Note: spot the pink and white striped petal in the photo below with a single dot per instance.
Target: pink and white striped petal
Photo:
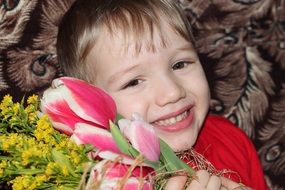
(142, 136)
(112, 156)
(62, 117)
(98, 137)
(100, 107)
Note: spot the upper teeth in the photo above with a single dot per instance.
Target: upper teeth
(172, 120)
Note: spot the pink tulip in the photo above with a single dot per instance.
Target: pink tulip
(113, 156)
(142, 136)
(110, 174)
(70, 101)
(103, 141)
(100, 138)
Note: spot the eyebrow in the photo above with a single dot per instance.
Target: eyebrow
(120, 73)
(187, 47)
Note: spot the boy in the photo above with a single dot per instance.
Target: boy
(142, 53)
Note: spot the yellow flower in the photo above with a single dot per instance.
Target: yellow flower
(16, 108)
(26, 156)
(5, 146)
(5, 106)
(38, 181)
(28, 143)
(32, 99)
(44, 131)
(44, 123)
(21, 183)
(64, 170)
(31, 142)
(3, 166)
(75, 157)
(50, 169)
(10, 141)
(33, 117)
(7, 101)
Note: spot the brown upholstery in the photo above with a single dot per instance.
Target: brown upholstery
(240, 42)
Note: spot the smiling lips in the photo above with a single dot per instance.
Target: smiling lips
(175, 121)
(172, 120)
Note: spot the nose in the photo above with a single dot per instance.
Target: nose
(168, 90)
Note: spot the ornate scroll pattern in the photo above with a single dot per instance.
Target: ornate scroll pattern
(240, 42)
(28, 32)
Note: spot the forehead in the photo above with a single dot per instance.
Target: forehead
(117, 51)
(128, 45)
(126, 41)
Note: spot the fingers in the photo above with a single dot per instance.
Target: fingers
(242, 188)
(201, 180)
(214, 183)
(176, 182)
(205, 181)
(231, 185)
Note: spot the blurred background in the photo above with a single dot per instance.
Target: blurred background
(241, 44)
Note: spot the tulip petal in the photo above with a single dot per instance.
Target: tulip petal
(110, 175)
(62, 117)
(98, 137)
(124, 124)
(145, 140)
(134, 183)
(142, 136)
(100, 107)
(114, 156)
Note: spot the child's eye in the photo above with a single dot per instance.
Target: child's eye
(132, 83)
(180, 65)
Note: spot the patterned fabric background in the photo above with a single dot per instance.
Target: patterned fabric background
(240, 42)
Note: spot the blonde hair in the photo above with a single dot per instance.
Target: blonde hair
(83, 22)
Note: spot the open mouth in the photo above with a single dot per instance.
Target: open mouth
(173, 120)
(176, 123)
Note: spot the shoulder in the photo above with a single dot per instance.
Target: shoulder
(223, 137)
(227, 147)
(220, 128)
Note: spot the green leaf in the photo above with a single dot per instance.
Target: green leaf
(154, 165)
(88, 148)
(119, 117)
(122, 142)
(173, 163)
(62, 160)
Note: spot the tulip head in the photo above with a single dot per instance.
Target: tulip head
(70, 101)
(142, 136)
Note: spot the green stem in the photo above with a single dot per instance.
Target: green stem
(172, 161)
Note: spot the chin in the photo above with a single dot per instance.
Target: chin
(181, 146)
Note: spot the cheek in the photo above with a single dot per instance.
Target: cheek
(202, 104)
(200, 88)
(127, 105)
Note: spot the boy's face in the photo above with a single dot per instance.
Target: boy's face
(167, 87)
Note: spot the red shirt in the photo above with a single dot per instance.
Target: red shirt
(228, 147)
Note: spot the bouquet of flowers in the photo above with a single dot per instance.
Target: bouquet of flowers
(74, 139)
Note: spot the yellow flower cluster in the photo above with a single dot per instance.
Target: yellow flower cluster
(6, 106)
(14, 116)
(28, 182)
(44, 131)
(33, 154)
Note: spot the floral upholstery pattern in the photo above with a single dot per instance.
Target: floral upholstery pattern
(241, 44)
